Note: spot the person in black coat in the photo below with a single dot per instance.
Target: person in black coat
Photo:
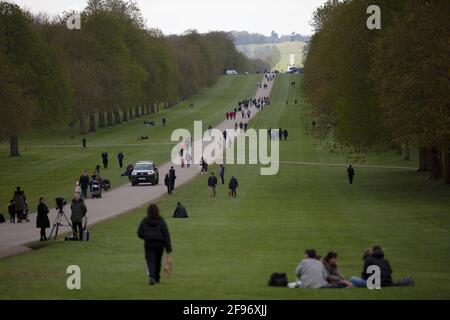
(212, 183)
(172, 176)
(105, 159)
(377, 259)
(167, 183)
(180, 211)
(84, 183)
(120, 157)
(42, 221)
(351, 174)
(155, 233)
(233, 185)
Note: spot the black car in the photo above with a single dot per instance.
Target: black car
(145, 172)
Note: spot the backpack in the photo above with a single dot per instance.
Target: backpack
(2, 218)
(153, 233)
(278, 279)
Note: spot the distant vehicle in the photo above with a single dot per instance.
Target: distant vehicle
(231, 72)
(246, 73)
(144, 172)
(295, 70)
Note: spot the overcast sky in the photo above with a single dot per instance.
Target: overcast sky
(176, 16)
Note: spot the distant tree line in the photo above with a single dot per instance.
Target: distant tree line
(245, 37)
(112, 69)
(374, 89)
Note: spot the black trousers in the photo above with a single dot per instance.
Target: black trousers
(153, 255)
(105, 164)
(77, 228)
(120, 163)
(350, 179)
(222, 178)
(43, 235)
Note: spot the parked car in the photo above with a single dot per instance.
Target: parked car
(145, 172)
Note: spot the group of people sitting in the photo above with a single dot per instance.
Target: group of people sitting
(317, 272)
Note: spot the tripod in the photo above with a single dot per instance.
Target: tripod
(58, 222)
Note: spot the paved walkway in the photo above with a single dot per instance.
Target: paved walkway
(14, 237)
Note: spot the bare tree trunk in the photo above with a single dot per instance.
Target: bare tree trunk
(117, 117)
(91, 122)
(131, 113)
(82, 124)
(14, 146)
(101, 119)
(142, 109)
(423, 159)
(446, 166)
(137, 112)
(436, 167)
(152, 108)
(110, 118)
(125, 115)
(407, 152)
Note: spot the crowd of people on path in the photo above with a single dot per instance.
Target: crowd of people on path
(317, 272)
(277, 134)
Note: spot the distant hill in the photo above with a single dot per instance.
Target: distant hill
(245, 37)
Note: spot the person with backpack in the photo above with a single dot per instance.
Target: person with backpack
(212, 183)
(20, 204)
(155, 233)
(42, 221)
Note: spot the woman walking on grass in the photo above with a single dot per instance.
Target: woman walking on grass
(153, 230)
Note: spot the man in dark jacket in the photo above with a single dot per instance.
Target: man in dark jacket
(105, 159)
(180, 211)
(222, 173)
(377, 259)
(20, 204)
(84, 184)
(350, 173)
(42, 221)
(79, 210)
(153, 230)
(212, 183)
(167, 183)
(233, 185)
(120, 157)
(172, 176)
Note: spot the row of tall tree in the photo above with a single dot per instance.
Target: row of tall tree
(374, 89)
(110, 70)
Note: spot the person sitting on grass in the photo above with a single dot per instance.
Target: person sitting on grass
(310, 272)
(153, 230)
(180, 211)
(375, 256)
(335, 277)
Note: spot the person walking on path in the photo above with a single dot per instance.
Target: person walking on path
(42, 221)
(84, 184)
(79, 211)
(155, 233)
(172, 176)
(20, 204)
(233, 185)
(350, 173)
(120, 157)
(222, 173)
(105, 160)
(167, 183)
(12, 212)
(212, 183)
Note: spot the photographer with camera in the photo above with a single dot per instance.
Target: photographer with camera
(79, 210)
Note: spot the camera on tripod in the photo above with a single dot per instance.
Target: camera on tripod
(60, 203)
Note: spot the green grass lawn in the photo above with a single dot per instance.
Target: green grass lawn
(52, 162)
(229, 247)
